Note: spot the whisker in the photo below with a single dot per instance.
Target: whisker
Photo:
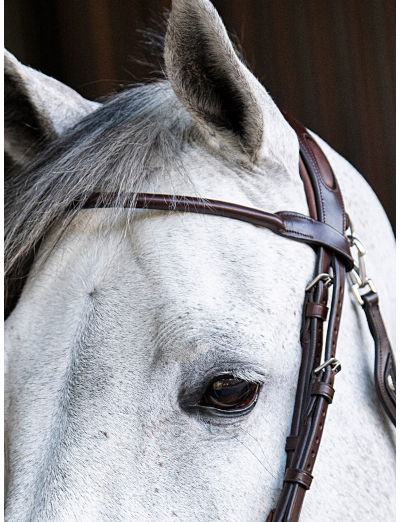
(266, 469)
(260, 445)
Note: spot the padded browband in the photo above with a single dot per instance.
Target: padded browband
(287, 224)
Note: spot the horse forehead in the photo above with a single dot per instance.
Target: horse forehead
(191, 258)
(194, 280)
(205, 277)
(215, 254)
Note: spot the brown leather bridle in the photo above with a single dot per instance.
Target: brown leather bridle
(325, 232)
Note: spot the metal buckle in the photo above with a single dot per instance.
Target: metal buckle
(360, 266)
(335, 363)
(358, 278)
(356, 284)
(328, 281)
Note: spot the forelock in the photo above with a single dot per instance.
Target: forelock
(114, 149)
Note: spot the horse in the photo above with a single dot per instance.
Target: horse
(124, 323)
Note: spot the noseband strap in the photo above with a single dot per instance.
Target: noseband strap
(325, 231)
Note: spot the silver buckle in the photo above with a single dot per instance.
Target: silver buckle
(335, 363)
(360, 266)
(328, 281)
(357, 283)
(358, 278)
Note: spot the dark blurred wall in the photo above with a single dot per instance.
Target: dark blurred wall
(330, 63)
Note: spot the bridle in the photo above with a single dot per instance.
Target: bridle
(325, 231)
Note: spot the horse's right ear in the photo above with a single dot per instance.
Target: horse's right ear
(37, 109)
(228, 104)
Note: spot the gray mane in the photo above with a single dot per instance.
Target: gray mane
(113, 149)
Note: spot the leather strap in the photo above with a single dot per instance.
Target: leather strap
(291, 443)
(327, 197)
(318, 310)
(314, 392)
(385, 366)
(287, 224)
(298, 476)
(324, 389)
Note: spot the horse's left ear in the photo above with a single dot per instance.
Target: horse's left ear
(227, 102)
(37, 109)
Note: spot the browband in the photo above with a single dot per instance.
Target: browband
(325, 231)
(287, 224)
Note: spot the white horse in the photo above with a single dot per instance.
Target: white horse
(127, 316)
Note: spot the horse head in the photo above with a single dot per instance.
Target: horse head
(152, 357)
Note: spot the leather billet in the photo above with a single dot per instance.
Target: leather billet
(385, 366)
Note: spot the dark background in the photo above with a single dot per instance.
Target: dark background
(330, 63)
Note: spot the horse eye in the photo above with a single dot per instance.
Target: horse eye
(231, 395)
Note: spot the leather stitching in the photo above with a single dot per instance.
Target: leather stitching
(336, 248)
(320, 179)
(316, 169)
(296, 214)
(380, 358)
(299, 233)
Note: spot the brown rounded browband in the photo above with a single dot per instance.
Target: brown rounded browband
(325, 232)
(287, 224)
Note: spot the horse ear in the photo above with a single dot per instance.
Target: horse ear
(37, 109)
(221, 94)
